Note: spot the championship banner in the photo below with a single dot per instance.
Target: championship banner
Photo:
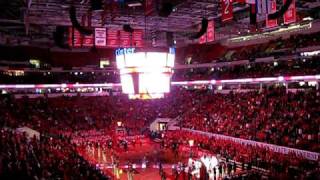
(203, 39)
(87, 41)
(112, 38)
(227, 10)
(148, 7)
(113, 43)
(290, 15)
(74, 38)
(211, 31)
(270, 23)
(70, 36)
(125, 39)
(209, 35)
(100, 37)
(262, 6)
(112, 34)
(137, 38)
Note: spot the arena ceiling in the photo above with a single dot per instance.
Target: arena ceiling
(34, 21)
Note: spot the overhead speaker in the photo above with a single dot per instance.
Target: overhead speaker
(165, 9)
(315, 13)
(60, 36)
(203, 30)
(96, 5)
(128, 28)
(170, 39)
(76, 24)
(281, 11)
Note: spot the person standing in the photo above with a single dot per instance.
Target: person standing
(130, 172)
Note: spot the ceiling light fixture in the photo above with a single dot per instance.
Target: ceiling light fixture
(134, 4)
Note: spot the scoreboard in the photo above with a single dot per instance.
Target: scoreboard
(145, 75)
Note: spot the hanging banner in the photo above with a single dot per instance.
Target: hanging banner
(211, 31)
(262, 6)
(137, 38)
(270, 23)
(125, 39)
(70, 36)
(209, 35)
(112, 38)
(87, 41)
(112, 34)
(77, 38)
(290, 15)
(113, 43)
(74, 38)
(100, 37)
(227, 10)
(148, 7)
(203, 38)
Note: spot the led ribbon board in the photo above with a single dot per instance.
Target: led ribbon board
(145, 75)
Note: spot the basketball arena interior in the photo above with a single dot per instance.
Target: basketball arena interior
(159, 89)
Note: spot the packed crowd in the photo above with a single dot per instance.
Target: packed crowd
(45, 158)
(273, 116)
(277, 165)
(85, 113)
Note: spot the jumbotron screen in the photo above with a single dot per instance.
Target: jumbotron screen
(145, 75)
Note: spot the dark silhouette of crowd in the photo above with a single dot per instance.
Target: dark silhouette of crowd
(68, 76)
(252, 70)
(45, 158)
(208, 53)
